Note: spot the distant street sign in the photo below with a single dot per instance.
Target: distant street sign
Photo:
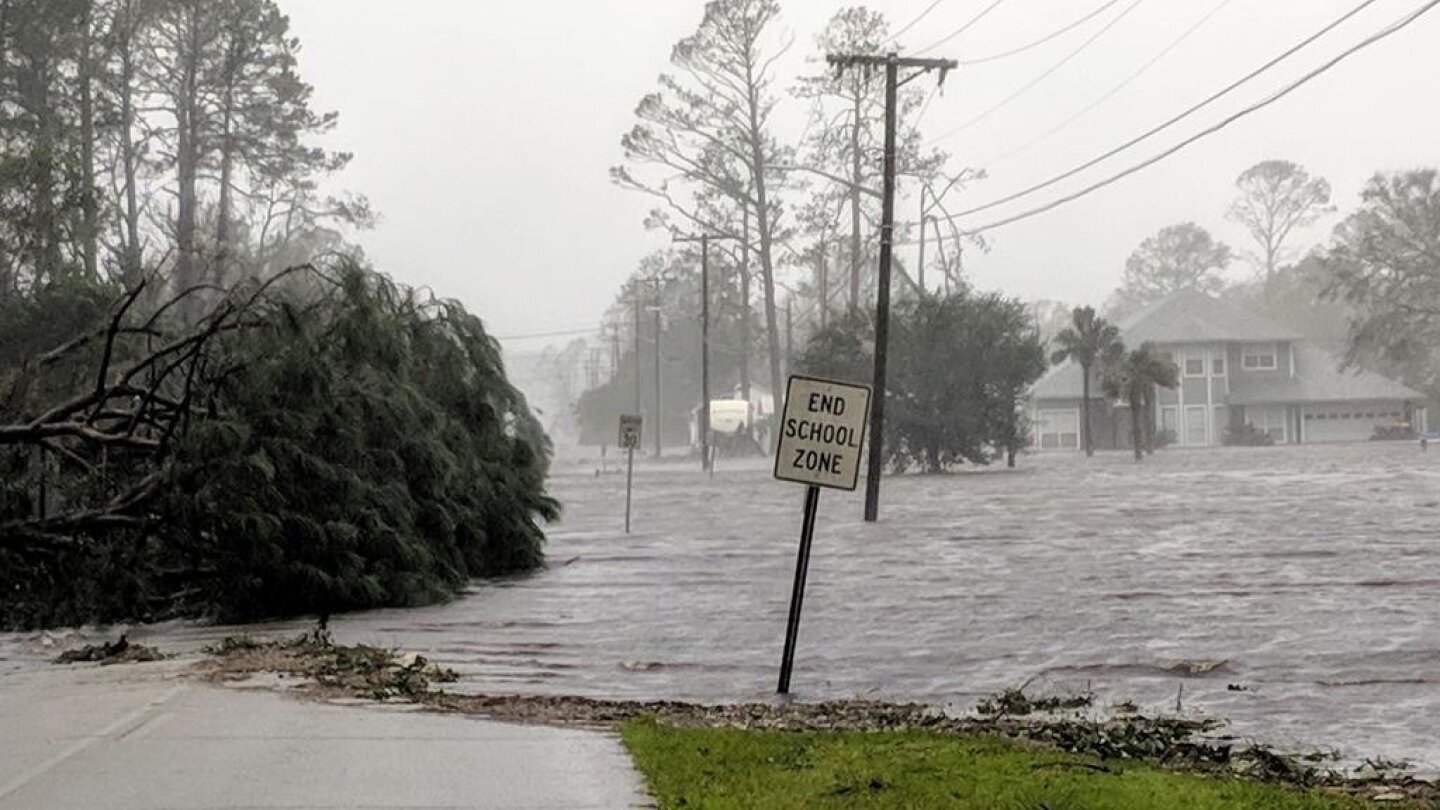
(630, 428)
(822, 432)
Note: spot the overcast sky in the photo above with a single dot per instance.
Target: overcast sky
(483, 131)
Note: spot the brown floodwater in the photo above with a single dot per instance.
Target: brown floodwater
(1294, 591)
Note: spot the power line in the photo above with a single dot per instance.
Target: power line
(920, 116)
(1004, 102)
(1174, 120)
(1274, 97)
(562, 333)
(962, 29)
(914, 22)
(1041, 41)
(1114, 90)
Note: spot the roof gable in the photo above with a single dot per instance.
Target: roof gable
(1190, 316)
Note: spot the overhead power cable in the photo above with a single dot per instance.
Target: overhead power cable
(1025, 192)
(1041, 41)
(920, 116)
(962, 29)
(1274, 97)
(1004, 102)
(1047, 134)
(904, 29)
(562, 333)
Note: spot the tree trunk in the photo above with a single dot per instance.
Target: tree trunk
(89, 205)
(227, 170)
(1147, 402)
(772, 327)
(745, 313)
(767, 267)
(1137, 425)
(129, 159)
(47, 215)
(1085, 412)
(188, 151)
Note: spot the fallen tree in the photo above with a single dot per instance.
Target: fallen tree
(320, 441)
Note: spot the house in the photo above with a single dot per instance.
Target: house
(1236, 368)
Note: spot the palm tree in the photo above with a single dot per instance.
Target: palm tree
(1134, 379)
(1088, 340)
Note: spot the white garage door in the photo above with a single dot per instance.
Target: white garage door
(1059, 430)
(1348, 423)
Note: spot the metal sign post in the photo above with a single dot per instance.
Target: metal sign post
(631, 426)
(822, 436)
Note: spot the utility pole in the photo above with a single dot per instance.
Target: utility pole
(615, 354)
(892, 64)
(658, 417)
(704, 420)
(636, 364)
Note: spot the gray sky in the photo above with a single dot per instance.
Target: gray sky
(483, 131)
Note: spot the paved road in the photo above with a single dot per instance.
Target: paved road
(144, 736)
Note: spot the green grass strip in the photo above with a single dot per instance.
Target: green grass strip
(725, 768)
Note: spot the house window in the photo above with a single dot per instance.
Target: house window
(1217, 364)
(1195, 365)
(1059, 430)
(1259, 357)
(1170, 419)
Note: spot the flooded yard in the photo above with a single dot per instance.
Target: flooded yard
(1294, 591)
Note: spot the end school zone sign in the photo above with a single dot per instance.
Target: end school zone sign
(822, 433)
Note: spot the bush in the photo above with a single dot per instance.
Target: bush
(1247, 436)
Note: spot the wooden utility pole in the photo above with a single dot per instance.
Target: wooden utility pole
(704, 420)
(892, 64)
(659, 419)
(636, 364)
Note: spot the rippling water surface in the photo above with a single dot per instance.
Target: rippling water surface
(1308, 577)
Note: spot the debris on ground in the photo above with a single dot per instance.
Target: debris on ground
(333, 669)
(1177, 743)
(1015, 703)
(120, 651)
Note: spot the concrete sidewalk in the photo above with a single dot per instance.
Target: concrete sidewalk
(145, 736)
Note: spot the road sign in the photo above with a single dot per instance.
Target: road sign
(630, 429)
(822, 433)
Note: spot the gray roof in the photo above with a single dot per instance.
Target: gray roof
(1062, 382)
(1190, 316)
(1318, 378)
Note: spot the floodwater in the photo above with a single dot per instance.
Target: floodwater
(1294, 591)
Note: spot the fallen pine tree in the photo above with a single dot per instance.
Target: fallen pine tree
(320, 441)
